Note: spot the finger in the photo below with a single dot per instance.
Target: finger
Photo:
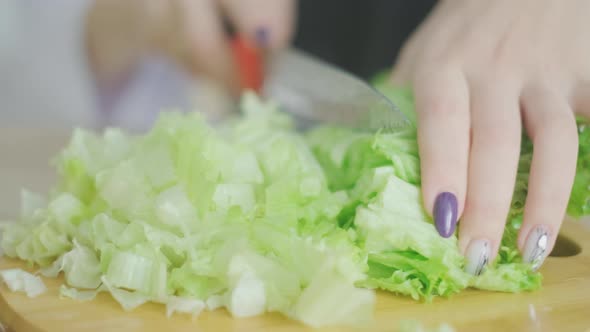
(269, 23)
(551, 125)
(401, 73)
(493, 163)
(442, 103)
(581, 99)
(427, 43)
(198, 41)
(411, 54)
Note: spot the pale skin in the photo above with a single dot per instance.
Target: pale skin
(482, 72)
(190, 32)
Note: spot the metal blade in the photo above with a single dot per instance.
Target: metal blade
(314, 91)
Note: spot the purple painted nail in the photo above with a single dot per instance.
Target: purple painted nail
(262, 36)
(445, 213)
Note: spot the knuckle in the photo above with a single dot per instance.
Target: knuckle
(550, 197)
(557, 126)
(440, 96)
(562, 125)
(503, 52)
(442, 107)
(502, 137)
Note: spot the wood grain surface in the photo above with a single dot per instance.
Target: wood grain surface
(562, 305)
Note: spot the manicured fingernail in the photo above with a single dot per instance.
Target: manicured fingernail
(445, 213)
(535, 247)
(262, 36)
(477, 256)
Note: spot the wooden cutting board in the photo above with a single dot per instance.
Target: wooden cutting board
(562, 305)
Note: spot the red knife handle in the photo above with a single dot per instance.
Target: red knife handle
(249, 64)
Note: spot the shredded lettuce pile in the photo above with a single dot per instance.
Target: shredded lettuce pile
(256, 217)
(20, 281)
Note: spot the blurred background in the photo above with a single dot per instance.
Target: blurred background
(363, 37)
(40, 72)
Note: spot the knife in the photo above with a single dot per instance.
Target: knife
(313, 91)
(317, 92)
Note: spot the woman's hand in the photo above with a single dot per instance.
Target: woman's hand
(482, 71)
(190, 32)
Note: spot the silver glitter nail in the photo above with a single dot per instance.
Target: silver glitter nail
(535, 250)
(477, 255)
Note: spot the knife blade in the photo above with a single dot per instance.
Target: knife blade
(314, 91)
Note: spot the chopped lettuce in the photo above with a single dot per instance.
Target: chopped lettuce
(78, 295)
(18, 280)
(579, 203)
(184, 305)
(255, 217)
(416, 326)
(241, 217)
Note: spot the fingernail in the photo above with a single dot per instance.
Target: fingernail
(535, 247)
(477, 256)
(261, 36)
(445, 213)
